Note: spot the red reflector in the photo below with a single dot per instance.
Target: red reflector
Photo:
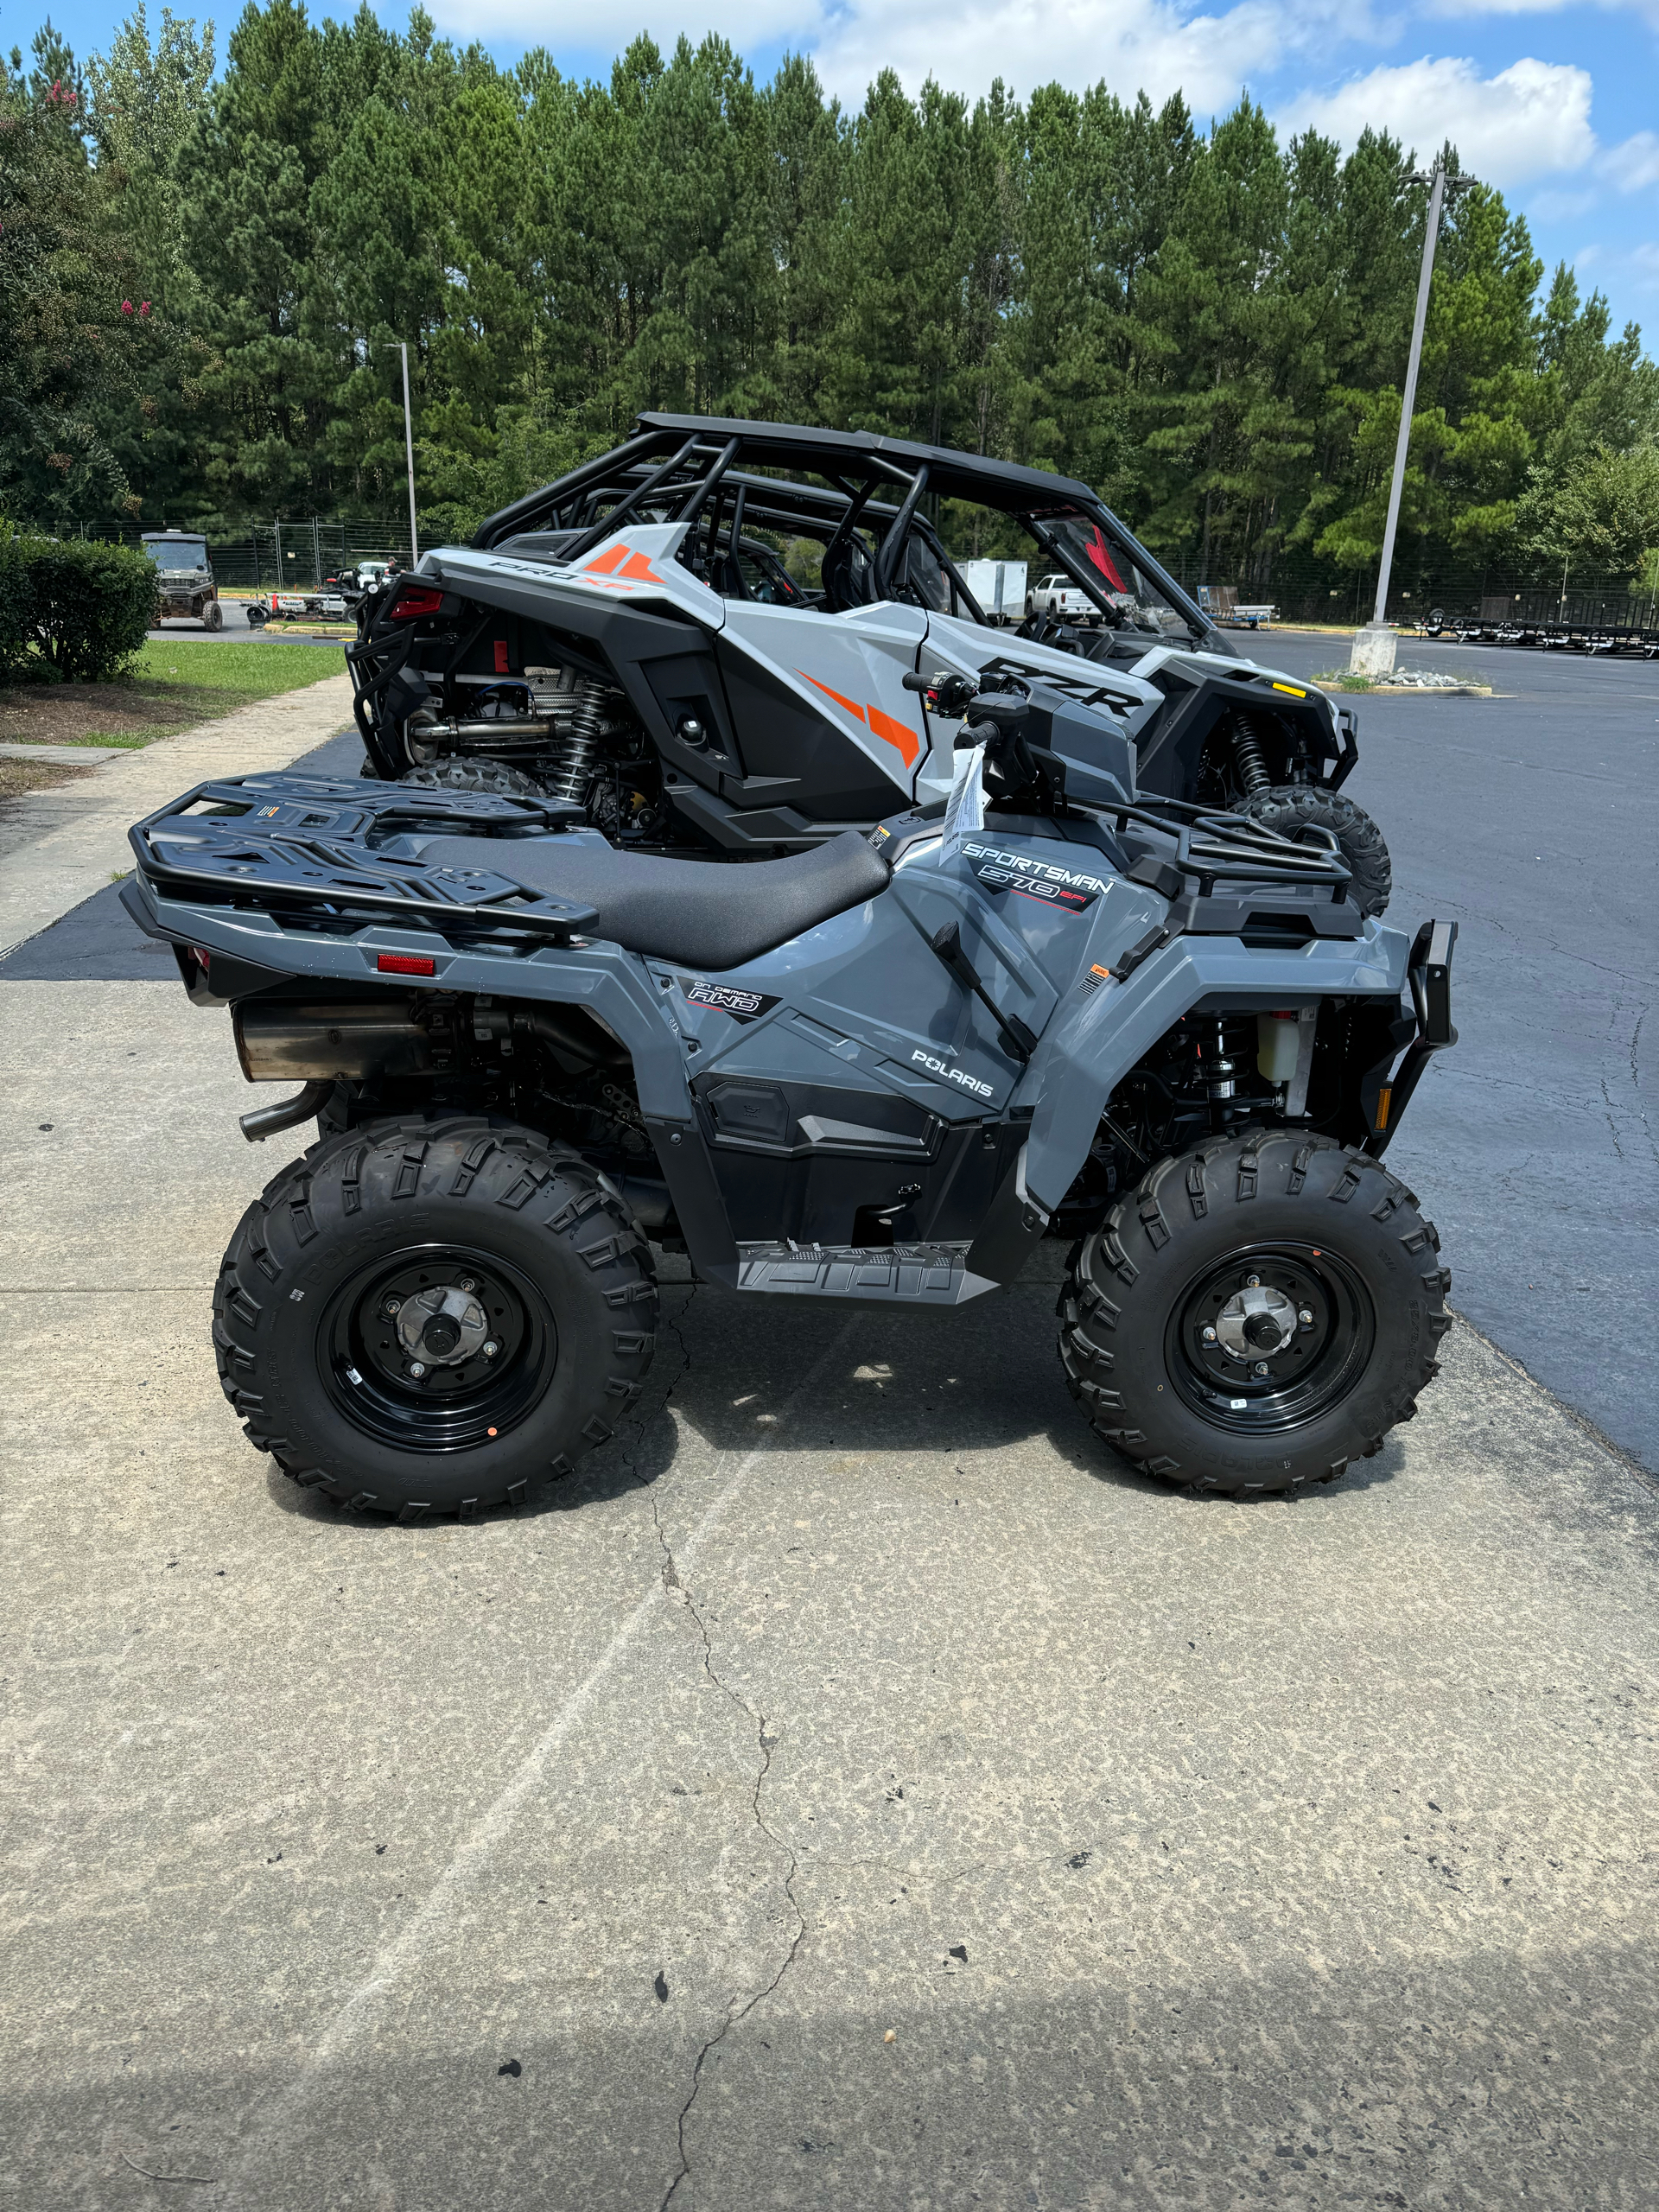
(416, 600)
(405, 964)
(501, 667)
(200, 952)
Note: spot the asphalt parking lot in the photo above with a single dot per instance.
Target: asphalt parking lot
(856, 1789)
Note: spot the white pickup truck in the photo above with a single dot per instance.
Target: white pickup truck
(1057, 594)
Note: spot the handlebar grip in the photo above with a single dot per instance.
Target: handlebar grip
(911, 682)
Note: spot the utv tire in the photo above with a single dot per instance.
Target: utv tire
(492, 776)
(1290, 807)
(212, 615)
(538, 1346)
(1324, 1231)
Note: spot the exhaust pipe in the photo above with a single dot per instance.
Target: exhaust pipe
(270, 1121)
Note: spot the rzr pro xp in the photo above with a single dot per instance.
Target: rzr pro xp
(878, 1070)
(629, 641)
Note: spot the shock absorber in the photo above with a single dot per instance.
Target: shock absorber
(569, 779)
(1247, 754)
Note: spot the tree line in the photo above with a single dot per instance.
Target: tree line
(204, 278)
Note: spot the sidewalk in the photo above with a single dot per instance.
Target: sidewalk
(58, 846)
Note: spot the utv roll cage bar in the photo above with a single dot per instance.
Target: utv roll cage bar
(684, 467)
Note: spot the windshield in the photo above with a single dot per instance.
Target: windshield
(1110, 564)
(178, 553)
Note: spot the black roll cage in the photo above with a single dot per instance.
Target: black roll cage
(676, 466)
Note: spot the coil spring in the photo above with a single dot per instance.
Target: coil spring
(1247, 755)
(568, 777)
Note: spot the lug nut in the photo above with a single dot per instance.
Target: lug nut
(464, 1282)
(418, 1368)
(1260, 1367)
(1252, 1282)
(1209, 1335)
(393, 1307)
(1306, 1317)
(491, 1349)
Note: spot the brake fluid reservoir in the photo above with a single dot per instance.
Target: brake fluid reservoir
(1275, 1047)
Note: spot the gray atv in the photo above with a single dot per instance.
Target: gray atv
(877, 1071)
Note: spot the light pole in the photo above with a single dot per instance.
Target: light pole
(1373, 651)
(408, 455)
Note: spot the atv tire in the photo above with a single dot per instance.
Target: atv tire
(1290, 807)
(540, 1343)
(1244, 1237)
(492, 776)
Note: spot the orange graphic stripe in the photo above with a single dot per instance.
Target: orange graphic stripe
(898, 733)
(881, 725)
(602, 563)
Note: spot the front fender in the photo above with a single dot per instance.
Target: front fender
(1099, 1037)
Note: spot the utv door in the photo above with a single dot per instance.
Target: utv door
(823, 720)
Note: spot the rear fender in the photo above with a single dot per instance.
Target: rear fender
(612, 985)
(1111, 1022)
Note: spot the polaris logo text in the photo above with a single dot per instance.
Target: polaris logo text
(1044, 880)
(953, 1075)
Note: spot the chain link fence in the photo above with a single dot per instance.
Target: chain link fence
(277, 556)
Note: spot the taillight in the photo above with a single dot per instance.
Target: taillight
(414, 600)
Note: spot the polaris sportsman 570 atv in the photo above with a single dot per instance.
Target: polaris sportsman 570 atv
(630, 639)
(878, 1070)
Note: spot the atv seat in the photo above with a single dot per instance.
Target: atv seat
(700, 914)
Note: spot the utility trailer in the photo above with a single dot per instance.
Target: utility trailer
(1220, 602)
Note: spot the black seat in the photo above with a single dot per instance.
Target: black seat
(702, 914)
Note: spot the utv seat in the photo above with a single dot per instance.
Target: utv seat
(702, 914)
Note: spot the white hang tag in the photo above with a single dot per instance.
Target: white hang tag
(964, 811)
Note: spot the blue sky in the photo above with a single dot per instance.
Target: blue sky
(1556, 105)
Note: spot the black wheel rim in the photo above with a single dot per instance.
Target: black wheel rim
(1268, 1387)
(404, 1359)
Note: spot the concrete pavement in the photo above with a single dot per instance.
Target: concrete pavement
(59, 847)
(855, 1789)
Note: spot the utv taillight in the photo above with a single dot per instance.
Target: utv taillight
(414, 600)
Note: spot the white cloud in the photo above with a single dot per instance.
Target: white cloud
(571, 26)
(1635, 165)
(1648, 9)
(1152, 48)
(1530, 120)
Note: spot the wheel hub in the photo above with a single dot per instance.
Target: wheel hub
(444, 1326)
(1256, 1322)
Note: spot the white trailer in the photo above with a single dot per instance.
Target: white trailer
(999, 585)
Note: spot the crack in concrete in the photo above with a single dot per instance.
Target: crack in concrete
(739, 2010)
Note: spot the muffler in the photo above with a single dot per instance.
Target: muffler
(280, 1041)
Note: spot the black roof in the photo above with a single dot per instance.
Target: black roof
(951, 475)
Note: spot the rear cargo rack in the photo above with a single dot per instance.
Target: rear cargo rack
(302, 847)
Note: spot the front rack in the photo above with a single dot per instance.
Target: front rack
(1230, 847)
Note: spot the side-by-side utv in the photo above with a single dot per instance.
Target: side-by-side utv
(701, 639)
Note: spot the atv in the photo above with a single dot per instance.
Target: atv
(877, 1070)
(702, 637)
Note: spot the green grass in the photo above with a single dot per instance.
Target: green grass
(259, 670)
(1344, 678)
